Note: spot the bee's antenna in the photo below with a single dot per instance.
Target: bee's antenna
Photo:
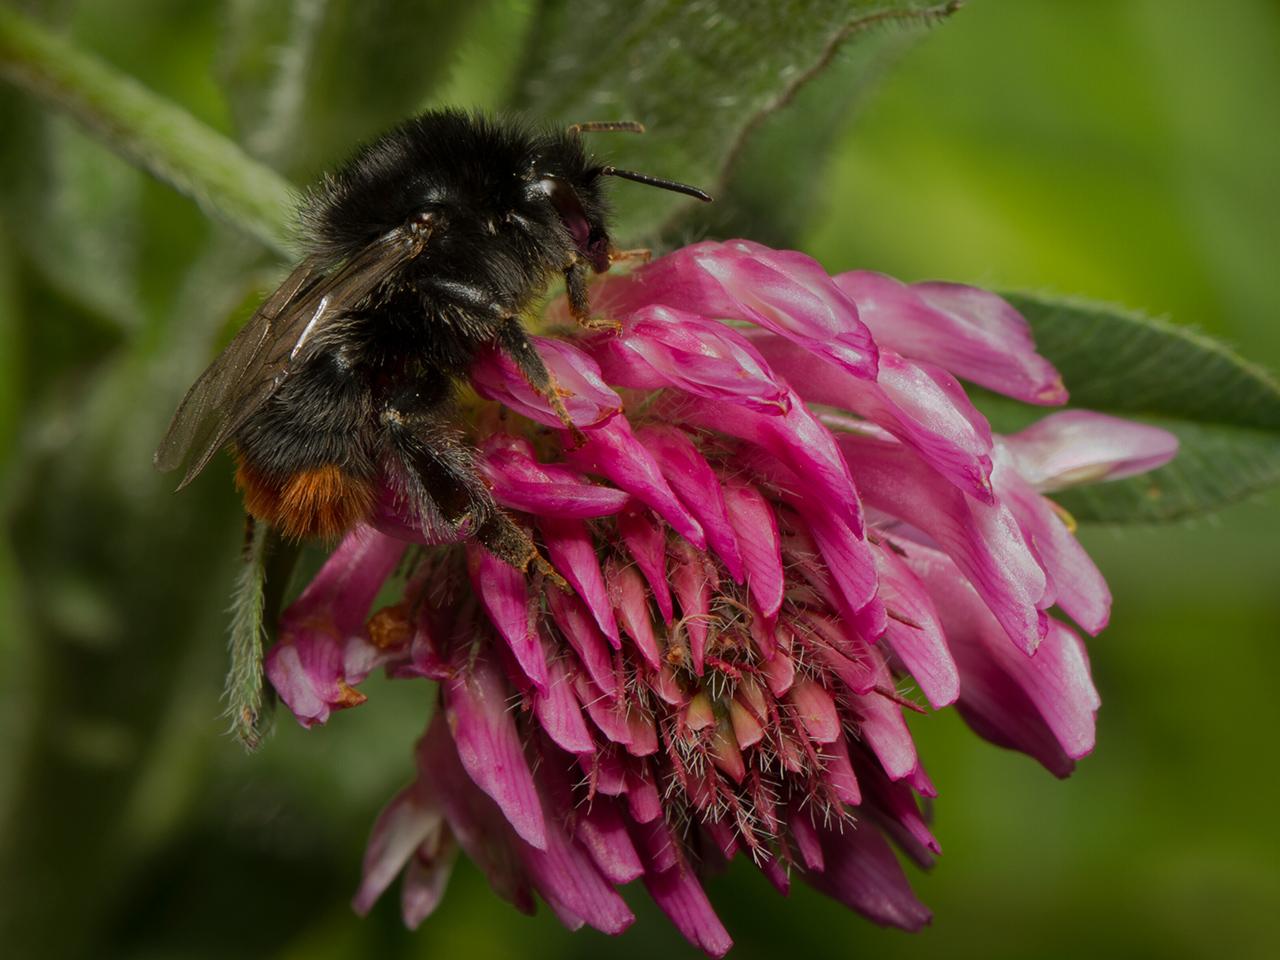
(607, 126)
(671, 185)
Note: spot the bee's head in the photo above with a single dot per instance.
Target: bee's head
(572, 182)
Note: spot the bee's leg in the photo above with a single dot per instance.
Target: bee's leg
(515, 342)
(576, 275)
(438, 475)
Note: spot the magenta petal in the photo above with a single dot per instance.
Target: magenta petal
(798, 439)
(601, 831)
(756, 528)
(698, 488)
(840, 772)
(678, 893)
(407, 821)
(1044, 705)
(984, 540)
(505, 595)
(568, 880)
(663, 347)
(589, 400)
(885, 731)
(521, 483)
(695, 582)
(805, 835)
(572, 551)
(647, 544)
(913, 630)
(922, 406)
(489, 747)
(848, 557)
(790, 294)
(579, 628)
(1077, 446)
(816, 711)
(970, 332)
(861, 872)
(613, 451)
(631, 603)
(560, 714)
(478, 825)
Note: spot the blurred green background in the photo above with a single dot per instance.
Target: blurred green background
(1125, 150)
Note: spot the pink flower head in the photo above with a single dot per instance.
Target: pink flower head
(783, 512)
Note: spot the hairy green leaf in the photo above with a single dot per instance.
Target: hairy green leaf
(310, 79)
(699, 76)
(1224, 410)
(147, 129)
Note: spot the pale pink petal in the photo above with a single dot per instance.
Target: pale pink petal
(1077, 446)
(695, 581)
(884, 730)
(424, 884)
(816, 711)
(489, 747)
(839, 772)
(600, 830)
(631, 604)
(406, 822)
(970, 332)
(698, 488)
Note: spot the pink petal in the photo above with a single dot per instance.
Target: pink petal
(984, 540)
(602, 833)
(839, 772)
(664, 347)
(970, 332)
(695, 583)
(631, 603)
(678, 893)
(505, 595)
(816, 711)
(698, 488)
(884, 730)
(647, 544)
(521, 483)
(756, 529)
(559, 713)
(1073, 579)
(1044, 705)
(572, 551)
(862, 873)
(613, 451)
(489, 747)
(579, 628)
(424, 884)
(922, 406)
(586, 396)
(920, 644)
(1077, 446)
(797, 439)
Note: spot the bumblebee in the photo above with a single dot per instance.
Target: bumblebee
(428, 245)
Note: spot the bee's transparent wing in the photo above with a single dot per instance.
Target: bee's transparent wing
(276, 340)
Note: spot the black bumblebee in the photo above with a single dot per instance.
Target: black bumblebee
(427, 245)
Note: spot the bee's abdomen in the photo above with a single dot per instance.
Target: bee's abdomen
(323, 501)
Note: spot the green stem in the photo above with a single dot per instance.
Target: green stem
(150, 131)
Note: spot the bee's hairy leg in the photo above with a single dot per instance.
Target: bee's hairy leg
(514, 341)
(576, 275)
(438, 475)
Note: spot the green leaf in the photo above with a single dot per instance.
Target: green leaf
(1224, 410)
(147, 129)
(309, 81)
(699, 76)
